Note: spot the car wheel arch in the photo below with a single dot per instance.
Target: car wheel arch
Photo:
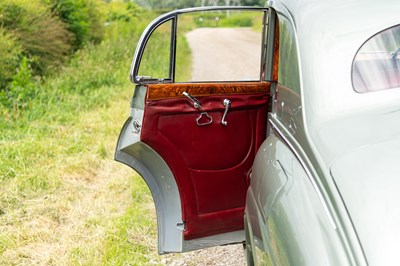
(162, 185)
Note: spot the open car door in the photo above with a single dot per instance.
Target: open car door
(193, 139)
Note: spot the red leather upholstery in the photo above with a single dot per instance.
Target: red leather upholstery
(210, 163)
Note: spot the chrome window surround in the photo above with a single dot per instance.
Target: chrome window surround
(173, 15)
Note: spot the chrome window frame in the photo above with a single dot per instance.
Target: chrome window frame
(173, 15)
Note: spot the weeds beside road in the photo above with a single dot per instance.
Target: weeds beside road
(89, 211)
(63, 199)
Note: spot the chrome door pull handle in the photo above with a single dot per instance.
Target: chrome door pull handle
(204, 119)
(196, 103)
(227, 104)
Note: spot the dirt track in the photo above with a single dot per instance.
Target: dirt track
(214, 58)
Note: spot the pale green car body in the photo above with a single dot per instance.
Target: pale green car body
(324, 184)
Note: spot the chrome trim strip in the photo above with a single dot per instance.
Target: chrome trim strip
(268, 57)
(295, 147)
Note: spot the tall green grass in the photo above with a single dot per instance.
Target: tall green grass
(93, 77)
(225, 19)
(60, 142)
(132, 237)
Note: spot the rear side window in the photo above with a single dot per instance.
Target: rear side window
(376, 65)
(288, 69)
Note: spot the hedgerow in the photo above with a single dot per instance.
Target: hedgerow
(84, 18)
(43, 38)
(11, 53)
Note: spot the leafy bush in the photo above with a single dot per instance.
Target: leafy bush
(10, 52)
(84, 18)
(20, 90)
(120, 11)
(84, 76)
(43, 38)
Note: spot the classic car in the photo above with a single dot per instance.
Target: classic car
(299, 161)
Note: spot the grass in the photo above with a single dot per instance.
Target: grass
(133, 235)
(226, 19)
(67, 202)
(63, 199)
(69, 199)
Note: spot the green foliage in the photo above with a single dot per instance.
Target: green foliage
(41, 36)
(168, 4)
(183, 67)
(120, 11)
(175, 4)
(126, 241)
(157, 50)
(84, 18)
(105, 64)
(237, 20)
(21, 89)
(32, 41)
(259, 3)
(36, 114)
(125, 20)
(224, 19)
(55, 149)
(10, 53)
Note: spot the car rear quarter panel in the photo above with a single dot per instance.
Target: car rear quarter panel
(285, 212)
(368, 179)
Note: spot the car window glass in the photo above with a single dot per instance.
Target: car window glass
(158, 49)
(288, 70)
(219, 46)
(376, 65)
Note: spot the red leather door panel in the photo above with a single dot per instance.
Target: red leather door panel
(211, 162)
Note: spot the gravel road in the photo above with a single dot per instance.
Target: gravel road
(215, 58)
